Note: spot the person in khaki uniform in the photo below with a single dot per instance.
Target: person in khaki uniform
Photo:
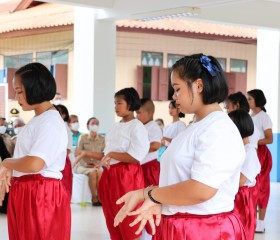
(6, 137)
(92, 142)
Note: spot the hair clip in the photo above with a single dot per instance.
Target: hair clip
(206, 63)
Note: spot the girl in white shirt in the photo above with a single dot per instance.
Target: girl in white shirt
(173, 129)
(126, 144)
(39, 206)
(200, 169)
(263, 122)
(244, 206)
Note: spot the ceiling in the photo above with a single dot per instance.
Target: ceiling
(256, 13)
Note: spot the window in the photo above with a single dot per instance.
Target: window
(238, 65)
(152, 59)
(172, 58)
(2, 76)
(223, 63)
(57, 63)
(50, 59)
(17, 61)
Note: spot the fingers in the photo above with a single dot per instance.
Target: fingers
(158, 219)
(119, 217)
(141, 226)
(152, 224)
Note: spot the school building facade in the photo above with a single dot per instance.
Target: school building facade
(144, 53)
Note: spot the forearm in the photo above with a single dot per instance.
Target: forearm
(94, 155)
(154, 146)
(28, 164)
(122, 157)
(185, 193)
(167, 139)
(242, 180)
(265, 141)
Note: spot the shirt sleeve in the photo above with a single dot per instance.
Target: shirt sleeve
(155, 134)
(139, 142)
(215, 157)
(267, 123)
(251, 167)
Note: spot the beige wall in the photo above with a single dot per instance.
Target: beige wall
(33, 44)
(130, 46)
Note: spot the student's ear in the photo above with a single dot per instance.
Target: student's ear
(199, 85)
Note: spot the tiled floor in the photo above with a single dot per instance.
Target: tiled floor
(88, 222)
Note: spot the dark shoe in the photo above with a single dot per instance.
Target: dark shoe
(95, 203)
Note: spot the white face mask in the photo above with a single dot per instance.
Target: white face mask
(17, 130)
(56, 102)
(75, 126)
(3, 129)
(93, 128)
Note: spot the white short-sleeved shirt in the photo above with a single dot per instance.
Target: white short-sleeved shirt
(263, 122)
(44, 136)
(155, 135)
(255, 137)
(251, 166)
(130, 137)
(173, 129)
(69, 137)
(210, 151)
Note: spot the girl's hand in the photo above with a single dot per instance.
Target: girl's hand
(105, 161)
(145, 213)
(5, 182)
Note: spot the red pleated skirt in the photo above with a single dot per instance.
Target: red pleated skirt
(245, 210)
(67, 176)
(184, 226)
(151, 172)
(114, 183)
(263, 178)
(38, 209)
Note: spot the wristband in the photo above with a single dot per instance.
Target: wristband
(151, 198)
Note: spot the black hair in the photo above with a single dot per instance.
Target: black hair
(38, 82)
(4, 153)
(92, 118)
(160, 120)
(173, 104)
(131, 96)
(240, 99)
(63, 110)
(190, 68)
(243, 122)
(259, 98)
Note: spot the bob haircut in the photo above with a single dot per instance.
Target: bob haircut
(38, 82)
(63, 110)
(131, 96)
(259, 98)
(240, 99)
(243, 122)
(190, 68)
(173, 104)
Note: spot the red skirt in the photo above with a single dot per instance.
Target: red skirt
(151, 172)
(67, 176)
(263, 178)
(114, 183)
(245, 210)
(184, 226)
(38, 209)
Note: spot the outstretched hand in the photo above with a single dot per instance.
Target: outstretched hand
(144, 214)
(80, 155)
(5, 182)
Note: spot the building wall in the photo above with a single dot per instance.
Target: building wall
(33, 44)
(131, 45)
(128, 55)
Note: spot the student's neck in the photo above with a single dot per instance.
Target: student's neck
(42, 107)
(175, 118)
(256, 110)
(75, 132)
(149, 120)
(128, 118)
(245, 140)
(205, 110)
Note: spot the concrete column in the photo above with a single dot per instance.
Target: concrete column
(94, 69)
(268, 59)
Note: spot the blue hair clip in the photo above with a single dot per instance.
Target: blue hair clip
(206, 63)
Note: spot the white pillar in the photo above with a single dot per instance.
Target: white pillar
(268, 59)
(94, 68)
